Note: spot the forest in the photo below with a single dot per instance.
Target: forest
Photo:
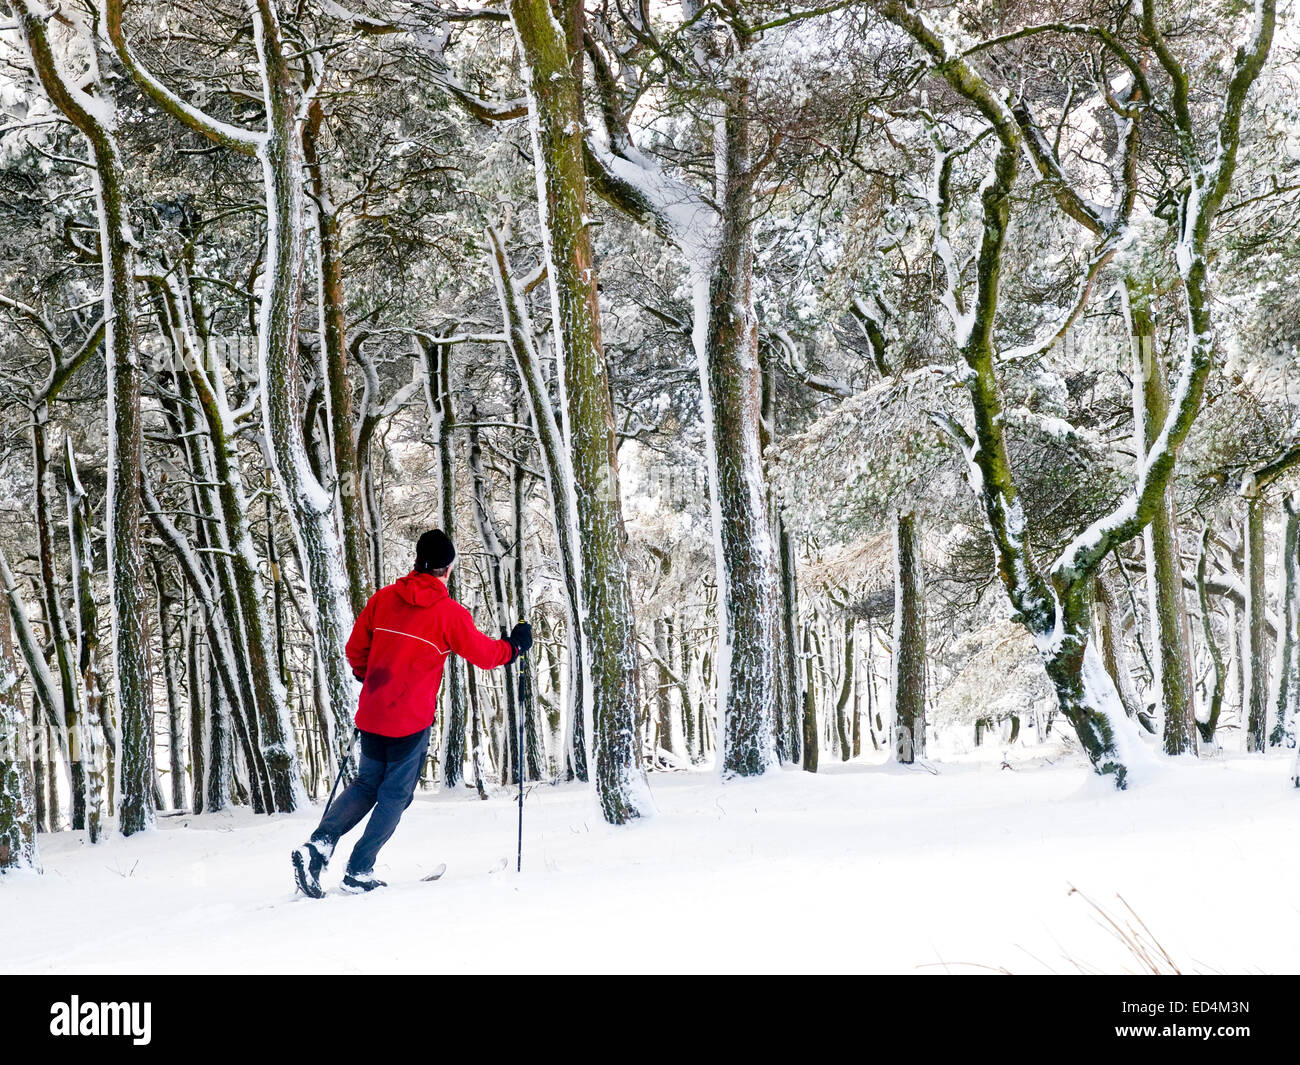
(877, 381)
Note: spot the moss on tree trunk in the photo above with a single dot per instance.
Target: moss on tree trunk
(608, 623)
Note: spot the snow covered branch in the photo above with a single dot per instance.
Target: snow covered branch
(229, 136)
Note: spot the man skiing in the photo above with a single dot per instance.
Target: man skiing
(397, 650)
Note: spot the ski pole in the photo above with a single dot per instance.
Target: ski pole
(343, 764)
(525, 694)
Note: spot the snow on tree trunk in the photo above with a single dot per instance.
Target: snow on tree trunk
(87, 614)
(475, 735)
(338, 387)
(608, 624)
(726, 334)
(18, 822)
(176, 763)
(308, 505)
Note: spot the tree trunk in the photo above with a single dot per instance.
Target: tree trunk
(610, 689)
(52, 803)
(907, 733)
(748, 601)
(663, 690)
(176, 761)
(442, 420)
(219, 754)
(1109, 634)
(1170, 629)
(83, 591)
(198, 699)
(873, 715)
(1089, 700)
(811, 741)
(127, 587)
(1255, 654)
(1288, 656)
(338, 387)
(1211, 723)
(40, 770)
(554, 716)
(789, 649)
(475, 735)
(277, 591)
(71, 724)
(18, 818)
(534, 749)
(842, 725)
(681, 661)
(719, 245)
(308, 505)
(44, 686)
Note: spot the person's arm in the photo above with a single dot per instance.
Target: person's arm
(358, 646)
(479, 650)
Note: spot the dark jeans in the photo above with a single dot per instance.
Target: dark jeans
(386, 779)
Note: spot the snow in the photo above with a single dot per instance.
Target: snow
(699, 341)
(987, 856)
(690, 220)
(1140, 765)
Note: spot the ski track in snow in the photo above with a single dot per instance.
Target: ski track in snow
(865, 867)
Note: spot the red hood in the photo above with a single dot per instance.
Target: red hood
(420, 589)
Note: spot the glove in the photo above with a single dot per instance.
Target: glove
(521, 639)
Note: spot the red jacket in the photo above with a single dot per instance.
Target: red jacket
(399, 645)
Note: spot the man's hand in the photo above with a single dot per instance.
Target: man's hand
(521, 638)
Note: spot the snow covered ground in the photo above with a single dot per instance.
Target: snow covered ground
(861, 868)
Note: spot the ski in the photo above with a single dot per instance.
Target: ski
(435, 875)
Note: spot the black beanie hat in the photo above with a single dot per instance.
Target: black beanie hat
(433, 551)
